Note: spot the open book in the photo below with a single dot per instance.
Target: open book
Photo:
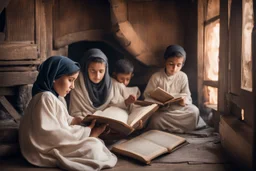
(162, 97)
(120, 120)
(149, 145)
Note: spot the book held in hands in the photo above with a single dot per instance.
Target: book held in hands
(120, 120)
(162, 97)
(149, 145)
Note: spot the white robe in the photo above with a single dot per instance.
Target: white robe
(173, 118)
(81, 105)
(48, 140)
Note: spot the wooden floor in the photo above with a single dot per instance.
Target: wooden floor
(203, 153)
(19, 164)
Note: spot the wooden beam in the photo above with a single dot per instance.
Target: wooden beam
(19, 51)
(17, 78)
(223, 57)
(48, 5)
(43, 50)
(212, 20)
(254, 84)
(7, 91)
(20, 23)
(34, 62)
(211, 83)
(10, 109)
(15, 69)
(200, 52)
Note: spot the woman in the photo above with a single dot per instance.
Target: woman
(95, 89)
(48, 134)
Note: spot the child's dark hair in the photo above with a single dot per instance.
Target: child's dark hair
(123, 66)
(175, 51)
(98, 60)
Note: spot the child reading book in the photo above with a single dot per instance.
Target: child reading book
(48, 135)
(123, 72)
(181, 117)
(95, 89)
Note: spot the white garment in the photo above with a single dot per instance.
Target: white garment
(48, 140)
(173, 118)
(81, 105)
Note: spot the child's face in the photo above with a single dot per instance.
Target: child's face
(173, 65)
(96, 71)
(124, 78)
(65, 84)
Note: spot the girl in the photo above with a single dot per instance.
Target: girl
(48, 134)
(96, 90)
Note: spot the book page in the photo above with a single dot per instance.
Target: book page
(161, 95)
(138, 112)
(131, 91)
(115, 113)
(164, 139)
(140, 148)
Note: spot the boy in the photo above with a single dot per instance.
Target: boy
(182, 117)
(123, 72)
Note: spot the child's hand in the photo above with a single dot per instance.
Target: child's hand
(131, 99)
(140, 126)
(92, 124)
(96, 131)
(182, 102)
(76, 120)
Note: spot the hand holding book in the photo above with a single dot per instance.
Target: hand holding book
(121, 120)
(162, 97)
(131, 99)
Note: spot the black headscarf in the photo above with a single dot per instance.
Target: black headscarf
(51, 69)
(98, 93)
(170, 50)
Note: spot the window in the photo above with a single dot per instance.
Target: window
(211, 52)
(246, 63)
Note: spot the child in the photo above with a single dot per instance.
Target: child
(174, 118)
(48, 135)
(95, 89)
(123, 72)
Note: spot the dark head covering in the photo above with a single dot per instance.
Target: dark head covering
(174, 50)
(99, 92)
(51, 69)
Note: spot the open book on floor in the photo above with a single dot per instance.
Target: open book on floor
(149, 145)
(120, 120)
(162, 97)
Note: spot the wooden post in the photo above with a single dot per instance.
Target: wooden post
(254, 85)
(223, 58)
(200, 51)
